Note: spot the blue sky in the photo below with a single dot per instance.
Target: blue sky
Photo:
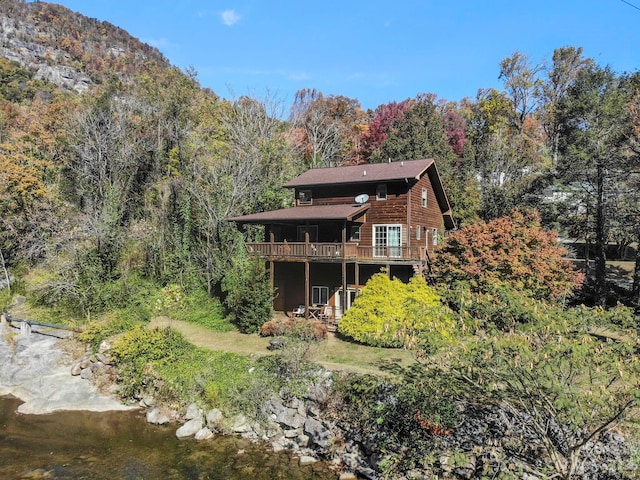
(373, 51)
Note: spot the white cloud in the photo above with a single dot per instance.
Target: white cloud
(230, 17)
(298, 76)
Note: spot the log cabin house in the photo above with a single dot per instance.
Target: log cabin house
(347, 224)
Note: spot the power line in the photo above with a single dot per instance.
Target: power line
(630, 4)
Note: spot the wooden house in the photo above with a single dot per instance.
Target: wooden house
(347, 224)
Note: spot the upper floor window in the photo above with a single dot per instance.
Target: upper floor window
(354, 233)
(418, 232)
(424, 197)
(381, 191)
(304, 197)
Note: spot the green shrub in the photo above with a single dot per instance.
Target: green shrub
(142, 344)
(111, 324)
(161, 361)
(500, 308)
(403, 419)
(249, 300)
(389, 313)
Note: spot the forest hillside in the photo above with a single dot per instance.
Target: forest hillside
(116, 164)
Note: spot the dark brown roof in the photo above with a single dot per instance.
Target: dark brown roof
(366, 173)
(309, 212)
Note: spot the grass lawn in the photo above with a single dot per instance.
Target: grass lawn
(332, 353)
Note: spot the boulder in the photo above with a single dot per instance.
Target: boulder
(290, 417)
(302, 440)
(239, 424)
(204, 434)
(190, 428)
(193, 411)
(317, 432)
(307, 460)
(157, 416)
(214, 419)
(76, 369)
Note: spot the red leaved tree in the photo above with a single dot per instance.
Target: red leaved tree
(512, 250)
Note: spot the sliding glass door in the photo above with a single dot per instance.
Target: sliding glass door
(387, 241)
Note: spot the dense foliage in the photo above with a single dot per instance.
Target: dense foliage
(541, 396)
(162, 362)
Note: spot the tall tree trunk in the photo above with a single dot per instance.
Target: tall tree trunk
(6, 274)
(635, 290)
(601, 242)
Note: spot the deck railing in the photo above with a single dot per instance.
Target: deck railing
(318, 251)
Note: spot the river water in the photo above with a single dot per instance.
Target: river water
(122, 445)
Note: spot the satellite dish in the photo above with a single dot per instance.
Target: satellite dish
(362, 198)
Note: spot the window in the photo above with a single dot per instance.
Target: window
(381, 191)
(354, 233)
(304, 197)
(434, 233)
(313, 233)
(386, 240)
(424, 197)
(418, 232)
(319, 295)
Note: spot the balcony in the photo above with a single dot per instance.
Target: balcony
(336, 252)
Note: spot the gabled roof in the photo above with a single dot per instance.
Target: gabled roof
(311, 212)
(365, 173)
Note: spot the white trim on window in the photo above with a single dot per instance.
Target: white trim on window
(305, 197)
(387, 240)
(418, 232)
(424, 197)
(319, 295)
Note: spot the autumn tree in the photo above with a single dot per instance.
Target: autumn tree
(326, 128)
(521, 84)
(378, 129)
(565, 66)
(32, 152)
(511, 250)
(595, 123)
(236, 176)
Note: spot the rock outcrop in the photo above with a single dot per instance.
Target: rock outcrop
(36, 369)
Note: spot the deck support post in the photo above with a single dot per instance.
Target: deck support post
(306, 274)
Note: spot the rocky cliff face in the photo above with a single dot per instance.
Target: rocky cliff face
(17, 43)
(68, 49)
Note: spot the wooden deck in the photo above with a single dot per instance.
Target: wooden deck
(336, 252)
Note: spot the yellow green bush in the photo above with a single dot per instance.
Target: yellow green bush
(390, 313)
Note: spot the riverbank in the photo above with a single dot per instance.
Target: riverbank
(36, 369)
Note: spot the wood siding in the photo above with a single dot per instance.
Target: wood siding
(403, 207)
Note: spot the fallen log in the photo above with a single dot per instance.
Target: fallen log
(11, 318)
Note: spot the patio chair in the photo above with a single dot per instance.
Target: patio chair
(298, 311)
(326, 313)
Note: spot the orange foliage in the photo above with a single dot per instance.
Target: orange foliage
(513, 250)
